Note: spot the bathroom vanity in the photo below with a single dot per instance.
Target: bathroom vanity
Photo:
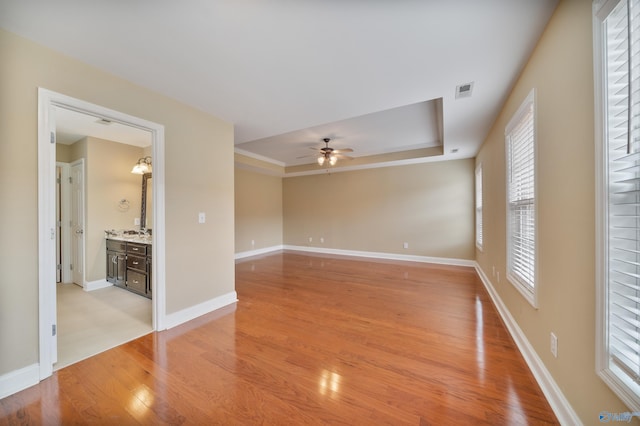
(129, 263)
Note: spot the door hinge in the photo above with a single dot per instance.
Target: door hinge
(54, 329)
(71, 266)
(53, 137)
(59, 266)
(58, 180)
(59, 223)
(70, 179)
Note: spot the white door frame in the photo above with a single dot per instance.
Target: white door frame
(78, 242)
(65, 208)
(47, 101)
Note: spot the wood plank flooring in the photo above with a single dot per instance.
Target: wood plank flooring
(312, 340)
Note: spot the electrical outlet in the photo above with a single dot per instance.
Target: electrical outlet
(201, 217)
(253, 242)
(554, 345)
(136, 221)
(310, 239)
(498, 275)
(406, 245)
(321, 239)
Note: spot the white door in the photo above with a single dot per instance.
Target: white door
(58, 225)
(77, 222)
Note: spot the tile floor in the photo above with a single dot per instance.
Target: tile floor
(92, 322)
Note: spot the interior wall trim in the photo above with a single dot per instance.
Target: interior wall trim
(258, 252)
(356, 253)
(96, 285)
(18, 380)
(559, 403)
(380, 255)
(193, 312)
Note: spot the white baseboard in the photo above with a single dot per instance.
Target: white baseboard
(258, 252)
(180, 317)
(18, 380)
(560, 405)
(355, 253)
(389, 256)
(95, 285)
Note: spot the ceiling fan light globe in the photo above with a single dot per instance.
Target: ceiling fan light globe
(321, 160)
(333, 160)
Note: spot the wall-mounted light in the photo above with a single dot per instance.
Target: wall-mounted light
(142, 166)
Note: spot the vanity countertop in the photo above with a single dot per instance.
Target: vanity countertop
(123, 236)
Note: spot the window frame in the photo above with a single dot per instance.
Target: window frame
(479, 206)
(528, 290)
(615, 378)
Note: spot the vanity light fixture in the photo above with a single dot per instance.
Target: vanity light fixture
(142, 166)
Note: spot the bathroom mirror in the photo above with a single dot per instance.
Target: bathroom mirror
(146, 219)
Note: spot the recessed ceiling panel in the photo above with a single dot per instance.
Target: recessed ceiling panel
(398, 129)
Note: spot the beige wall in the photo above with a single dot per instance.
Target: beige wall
(258, 210)
(199, 178)
(561, 72)
(108, 179)
(63, 153)
(429, 206)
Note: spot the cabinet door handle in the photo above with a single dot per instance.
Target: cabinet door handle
(135, 263)
(135, 281)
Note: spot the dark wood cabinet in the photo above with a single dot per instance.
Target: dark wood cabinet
(116, 263)
(129, 266)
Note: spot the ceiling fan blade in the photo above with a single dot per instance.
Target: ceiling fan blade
(342, 157)
(306, 156)
(341, 150)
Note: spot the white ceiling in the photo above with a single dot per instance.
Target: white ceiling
(306, 66)
(398, 129)
(71, 126)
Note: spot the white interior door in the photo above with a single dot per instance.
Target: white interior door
(58, 225)
(77, 222)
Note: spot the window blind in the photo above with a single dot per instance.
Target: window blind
(521, 224)
(479, 206)
(622, 56)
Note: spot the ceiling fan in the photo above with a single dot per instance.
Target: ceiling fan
(330, 155)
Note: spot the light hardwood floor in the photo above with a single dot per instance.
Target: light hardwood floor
(92, 322)
(312, 340)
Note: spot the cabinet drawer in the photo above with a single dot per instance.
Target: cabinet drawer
(136, 281)
(137, 262)
(116, 245)
(137, 248)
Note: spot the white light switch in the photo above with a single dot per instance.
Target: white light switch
(136, 221)
(201, 217)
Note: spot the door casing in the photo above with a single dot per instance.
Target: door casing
(47, 102)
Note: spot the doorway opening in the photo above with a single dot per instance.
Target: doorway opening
(52, 236)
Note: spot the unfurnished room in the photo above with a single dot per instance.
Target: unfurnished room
(320, 212)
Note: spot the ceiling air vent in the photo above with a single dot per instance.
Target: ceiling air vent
(103, 121)
(464, 90)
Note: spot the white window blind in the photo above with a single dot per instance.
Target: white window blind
(521, 206)
(479, 206)
(621, 222)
